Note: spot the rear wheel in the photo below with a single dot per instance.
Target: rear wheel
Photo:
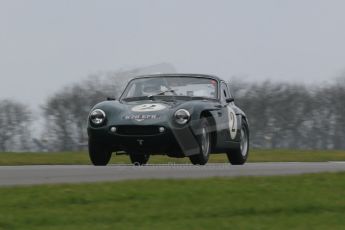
(204, 140)
(239, 156)
(139, 159)
(98, 153)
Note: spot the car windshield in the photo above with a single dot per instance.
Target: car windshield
(171, 86)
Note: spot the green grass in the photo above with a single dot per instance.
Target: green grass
(256, 155)
(287, 202)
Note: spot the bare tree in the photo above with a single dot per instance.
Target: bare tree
(66, 113)
(15, 119)
(337, 106)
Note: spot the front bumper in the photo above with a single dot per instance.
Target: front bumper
(147, 139)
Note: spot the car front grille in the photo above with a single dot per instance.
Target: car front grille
(137, 130)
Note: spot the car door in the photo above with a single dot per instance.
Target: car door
(233, 118)
(225, 117)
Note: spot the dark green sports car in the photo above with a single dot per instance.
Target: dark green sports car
(179, 115)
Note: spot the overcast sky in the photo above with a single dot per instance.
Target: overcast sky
(45, 45)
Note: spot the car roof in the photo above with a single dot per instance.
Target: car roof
(179, 75)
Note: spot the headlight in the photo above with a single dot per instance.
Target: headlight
(182, 116)
(97, 117)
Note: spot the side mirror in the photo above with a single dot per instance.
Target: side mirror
(111, 99)
(229, 100)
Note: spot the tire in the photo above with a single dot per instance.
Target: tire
(204, 141)
(98, 153)
(139, 159)
(239, 156)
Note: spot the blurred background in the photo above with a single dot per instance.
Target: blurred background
(285, 61)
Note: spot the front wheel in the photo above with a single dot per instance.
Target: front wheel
(204, 140)
(98, 153)
(139, 159)
(239, 156)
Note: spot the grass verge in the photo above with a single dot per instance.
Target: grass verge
(256, 155)
(288, 202)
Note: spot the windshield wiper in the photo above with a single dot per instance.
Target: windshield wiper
(162, 93)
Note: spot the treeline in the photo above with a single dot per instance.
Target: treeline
(281, 115)
(285, 115)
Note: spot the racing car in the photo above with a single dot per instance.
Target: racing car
(178, 115)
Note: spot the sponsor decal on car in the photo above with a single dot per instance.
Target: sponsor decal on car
(141, 117)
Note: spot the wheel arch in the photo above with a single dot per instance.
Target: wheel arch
(244, 117)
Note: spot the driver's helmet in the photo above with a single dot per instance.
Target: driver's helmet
(153, 86)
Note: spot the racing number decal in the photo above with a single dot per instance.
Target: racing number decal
(148, 107)
(232, 123)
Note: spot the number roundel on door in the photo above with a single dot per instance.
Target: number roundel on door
(232, 123)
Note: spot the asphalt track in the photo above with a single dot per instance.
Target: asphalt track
(51, 174)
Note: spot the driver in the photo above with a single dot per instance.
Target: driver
(153, 86)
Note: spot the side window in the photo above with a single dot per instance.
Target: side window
(224, 92)
(230, 91)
